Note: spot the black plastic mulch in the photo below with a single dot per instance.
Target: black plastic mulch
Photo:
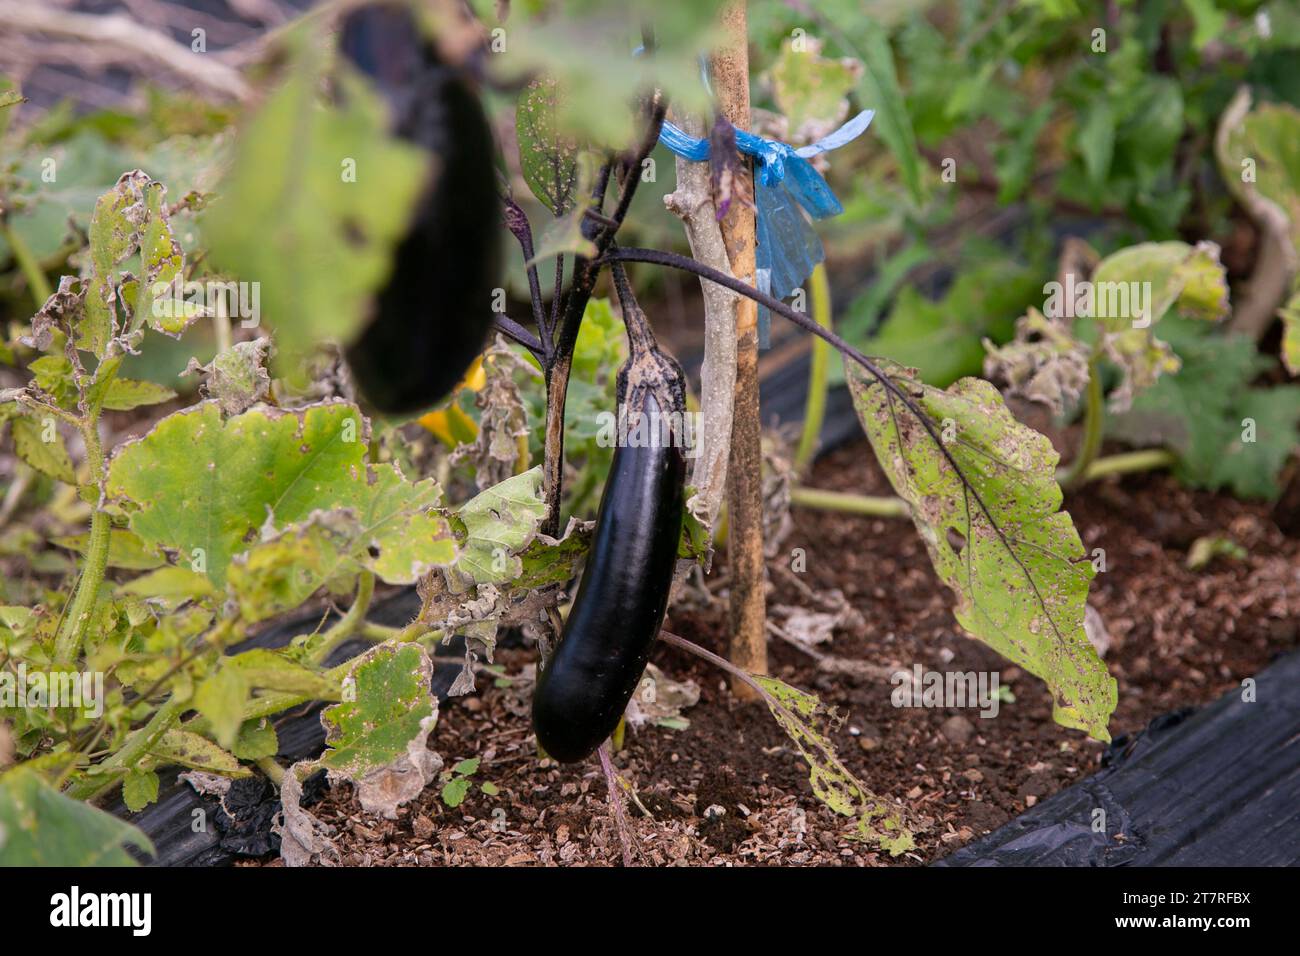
(1219, 786)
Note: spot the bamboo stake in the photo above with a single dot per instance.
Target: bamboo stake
(744, 477)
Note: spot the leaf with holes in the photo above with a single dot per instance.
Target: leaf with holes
(203, 487)
(392, 528)
(498, 524)
(114, 235)
(997, 539)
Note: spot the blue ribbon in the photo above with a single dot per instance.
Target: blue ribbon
(788, 247)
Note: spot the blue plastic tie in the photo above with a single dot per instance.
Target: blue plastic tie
(785, 182)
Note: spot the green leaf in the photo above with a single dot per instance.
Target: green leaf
(1259, 158)
(499, 523)
(392, 707)
(402, 535)
(1154, 277)
(170, 583)
(1014, 562)
(1199, 414)
(41, 827)
(124, 394)
(863, 313)
(139, 789)
(548, 156)
(114, 235)
(125, 549)
(1177, 273)
(221, 700)
(879, 87)
(467, 767)
(314, 204)
(1095, 139)
(280, 573)
(268, 670)
(944, 339)
(1017, 159)
(163, 264)
(257, 739)
(54, 374)
(186, 749)
(1209, 21)
(1291, 335)
(203, 486)
(48, 457)
(395, 530)
(455, 790)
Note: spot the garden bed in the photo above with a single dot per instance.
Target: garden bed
(1178, 638)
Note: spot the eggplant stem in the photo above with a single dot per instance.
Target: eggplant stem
(559, 358)
(617, 805)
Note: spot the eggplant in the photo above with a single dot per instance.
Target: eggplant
(584, 688)
(434, 315)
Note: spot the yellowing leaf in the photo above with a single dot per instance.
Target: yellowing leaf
(1014, 561)
(203, 486)
(187, 749)
(48, 457)
(391, 706)
(1291, 335)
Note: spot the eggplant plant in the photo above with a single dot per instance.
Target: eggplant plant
(356, 195)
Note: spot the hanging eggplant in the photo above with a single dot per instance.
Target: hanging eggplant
(433, 317)
(584, 688)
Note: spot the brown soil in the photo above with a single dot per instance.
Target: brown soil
(1177, 638)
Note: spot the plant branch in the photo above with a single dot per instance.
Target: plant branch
(516, 221)
(1128, 463)
(1094, 416)
(585, 273)
(869, 505)
(77, 617)
(891, 387)
(513, 330)
(692, 203)
(729, 65)
(617, 805)
(348, 624)
(815, 408)
(137, 745)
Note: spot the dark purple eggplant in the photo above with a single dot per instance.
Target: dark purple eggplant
(584, 688)
(434, 315)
